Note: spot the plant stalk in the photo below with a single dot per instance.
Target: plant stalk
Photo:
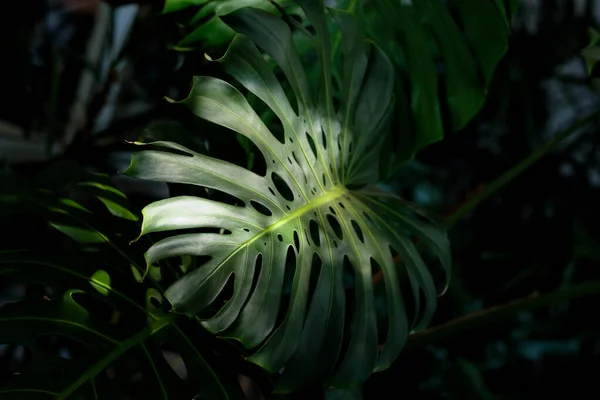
(496, 313)
(515, 171)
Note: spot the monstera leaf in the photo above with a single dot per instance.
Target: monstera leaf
(206, 27)
(445, 54)
(300, 247)
(86, 327)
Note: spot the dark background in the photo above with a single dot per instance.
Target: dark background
(80, 77)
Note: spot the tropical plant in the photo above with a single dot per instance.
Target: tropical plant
(445, 56)
(285, 256)
(89, 327)
(206, 28)
(315, 218)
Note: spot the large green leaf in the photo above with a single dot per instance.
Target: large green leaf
(91, 328)
(315, 217)
(465, 39)
(206, 27)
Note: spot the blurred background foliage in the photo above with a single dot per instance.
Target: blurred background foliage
(82, 77)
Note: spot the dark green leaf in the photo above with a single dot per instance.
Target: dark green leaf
(428, 46)
(301, 218)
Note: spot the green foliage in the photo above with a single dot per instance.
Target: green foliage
(444, 55)
(314, 225)
(206, 27)
(464, 40)
(285, 262)
(85, 297)
(591, 56)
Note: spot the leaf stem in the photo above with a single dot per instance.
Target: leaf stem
(515, 171)
(481, 317)
(135, 340)
(493, 314)
(482, 192)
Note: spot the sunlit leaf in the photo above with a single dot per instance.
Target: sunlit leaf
(312, 226)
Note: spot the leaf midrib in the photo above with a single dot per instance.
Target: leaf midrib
(329, 196)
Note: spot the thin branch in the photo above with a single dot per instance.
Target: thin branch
(483, 191)
(512, 173)
(496, 313)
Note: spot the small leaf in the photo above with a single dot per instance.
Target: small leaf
(100, 281)
(591, 53)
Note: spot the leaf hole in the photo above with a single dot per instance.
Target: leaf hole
(269, 118)
(295, 157)
(335, 226)
(375, 268)
(324, 139)
(332, 210)
(246, 229)
(261, 208)
(311, 144)
(395, 254)
(357, 230)
(380, 312)
(350, 307)
(370, 221)
(282, 187)
(290, 161)
(324, 179)
(257, 271)
(297, 241)
(314, 232)
(412, 303)
(280, 237)
(220, 196)
(290, 270)
(155, 302)
(288, 207)
(288, 281)
(176, 363)
(348, 273)
(315, 272)
(342, 205)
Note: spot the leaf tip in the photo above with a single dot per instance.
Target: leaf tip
(135, 240)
